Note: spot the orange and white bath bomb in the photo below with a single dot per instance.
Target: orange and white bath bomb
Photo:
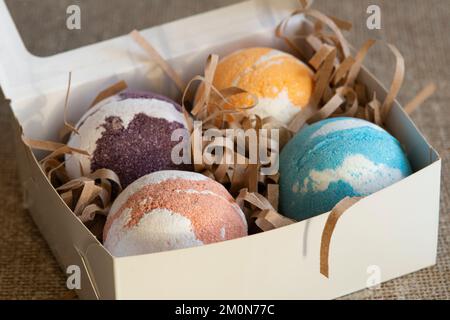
(169, 210)
(282, 83)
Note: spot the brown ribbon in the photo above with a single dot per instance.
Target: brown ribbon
(328, 230)
(305, 9)
(420, 98)
(396, 84)
(110, 91)
(86, 196)
(68, 127)
(266, 217)
(56, 147)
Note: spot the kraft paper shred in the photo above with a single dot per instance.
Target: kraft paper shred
(89, 197)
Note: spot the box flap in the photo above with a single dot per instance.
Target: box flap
(23, 75)
(14, 57)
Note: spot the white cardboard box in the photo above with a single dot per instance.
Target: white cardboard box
(394, 229)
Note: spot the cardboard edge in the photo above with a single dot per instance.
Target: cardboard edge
(31, 84)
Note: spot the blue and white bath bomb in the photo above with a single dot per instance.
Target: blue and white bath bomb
(335, 158)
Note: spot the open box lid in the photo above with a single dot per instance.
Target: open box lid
(23, 75)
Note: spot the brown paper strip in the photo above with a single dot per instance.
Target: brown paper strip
(88, 193)
(91, 195)
(361, 93)
(270, 219)
(252, 177)
(105, 193)
(314, 42)
(420, 98)
(110, 91)
(321, 55)
(343, 69)
(89, 212)
(396, 84)
(197, 78)
(375, 106)
(327, 233)
(323, 76)
(356, 67)
(281, 29)
(105, 174)
(42, 144)
(210, 70)
(67, 198)
(237, 178)
(272, 194)
(305, 3)
(154, 55)
(301, 118)
(56, 169)
(342, 24)
(351, 98)
(68, 127)
(86, 196)
(329, 108)
(51, 146)
(267, 218)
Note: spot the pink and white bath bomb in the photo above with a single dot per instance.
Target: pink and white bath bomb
(169, 210)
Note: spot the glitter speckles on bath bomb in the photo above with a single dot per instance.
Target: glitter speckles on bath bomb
(282, 82)
(169, 210)
(129, 133)
(335, 158)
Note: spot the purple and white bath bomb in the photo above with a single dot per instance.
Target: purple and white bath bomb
(168, 210)
(129, 133)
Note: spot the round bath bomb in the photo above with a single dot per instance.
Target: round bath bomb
(335, 158)
(169, 210)
(129, 133)
(282, 82)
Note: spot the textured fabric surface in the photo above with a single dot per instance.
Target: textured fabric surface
(418, 28)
